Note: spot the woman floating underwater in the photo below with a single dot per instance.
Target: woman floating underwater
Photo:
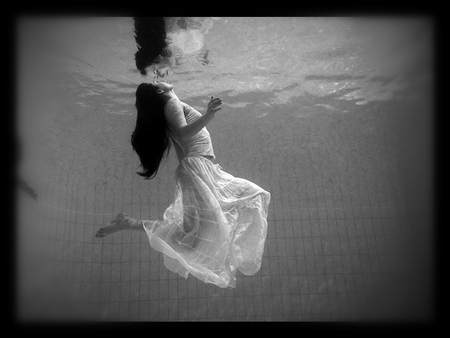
(217, 222)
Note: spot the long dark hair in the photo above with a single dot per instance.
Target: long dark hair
(150, 139)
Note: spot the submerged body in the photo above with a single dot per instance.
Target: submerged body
(217, 222)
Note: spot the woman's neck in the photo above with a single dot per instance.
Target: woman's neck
(169, 95)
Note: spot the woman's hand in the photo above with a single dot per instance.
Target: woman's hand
(213, 106)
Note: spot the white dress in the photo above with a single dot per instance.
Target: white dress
(217, 222)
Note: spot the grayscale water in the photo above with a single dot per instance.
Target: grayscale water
(333, 116)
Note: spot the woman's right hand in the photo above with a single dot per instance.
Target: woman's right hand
(214, 105)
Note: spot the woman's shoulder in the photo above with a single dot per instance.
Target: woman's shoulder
(177, 101)
(175, 104)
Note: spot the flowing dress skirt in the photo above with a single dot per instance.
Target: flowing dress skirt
(216, 224)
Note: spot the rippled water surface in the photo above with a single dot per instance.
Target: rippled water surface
(351, 59)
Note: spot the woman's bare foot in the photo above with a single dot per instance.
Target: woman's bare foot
(121, 222)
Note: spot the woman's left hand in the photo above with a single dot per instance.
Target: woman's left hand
(214, 105)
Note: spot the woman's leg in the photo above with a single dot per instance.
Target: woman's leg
(120, 223)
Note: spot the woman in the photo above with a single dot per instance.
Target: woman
(217, 222)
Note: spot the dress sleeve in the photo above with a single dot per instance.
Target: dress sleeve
(173, 111)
